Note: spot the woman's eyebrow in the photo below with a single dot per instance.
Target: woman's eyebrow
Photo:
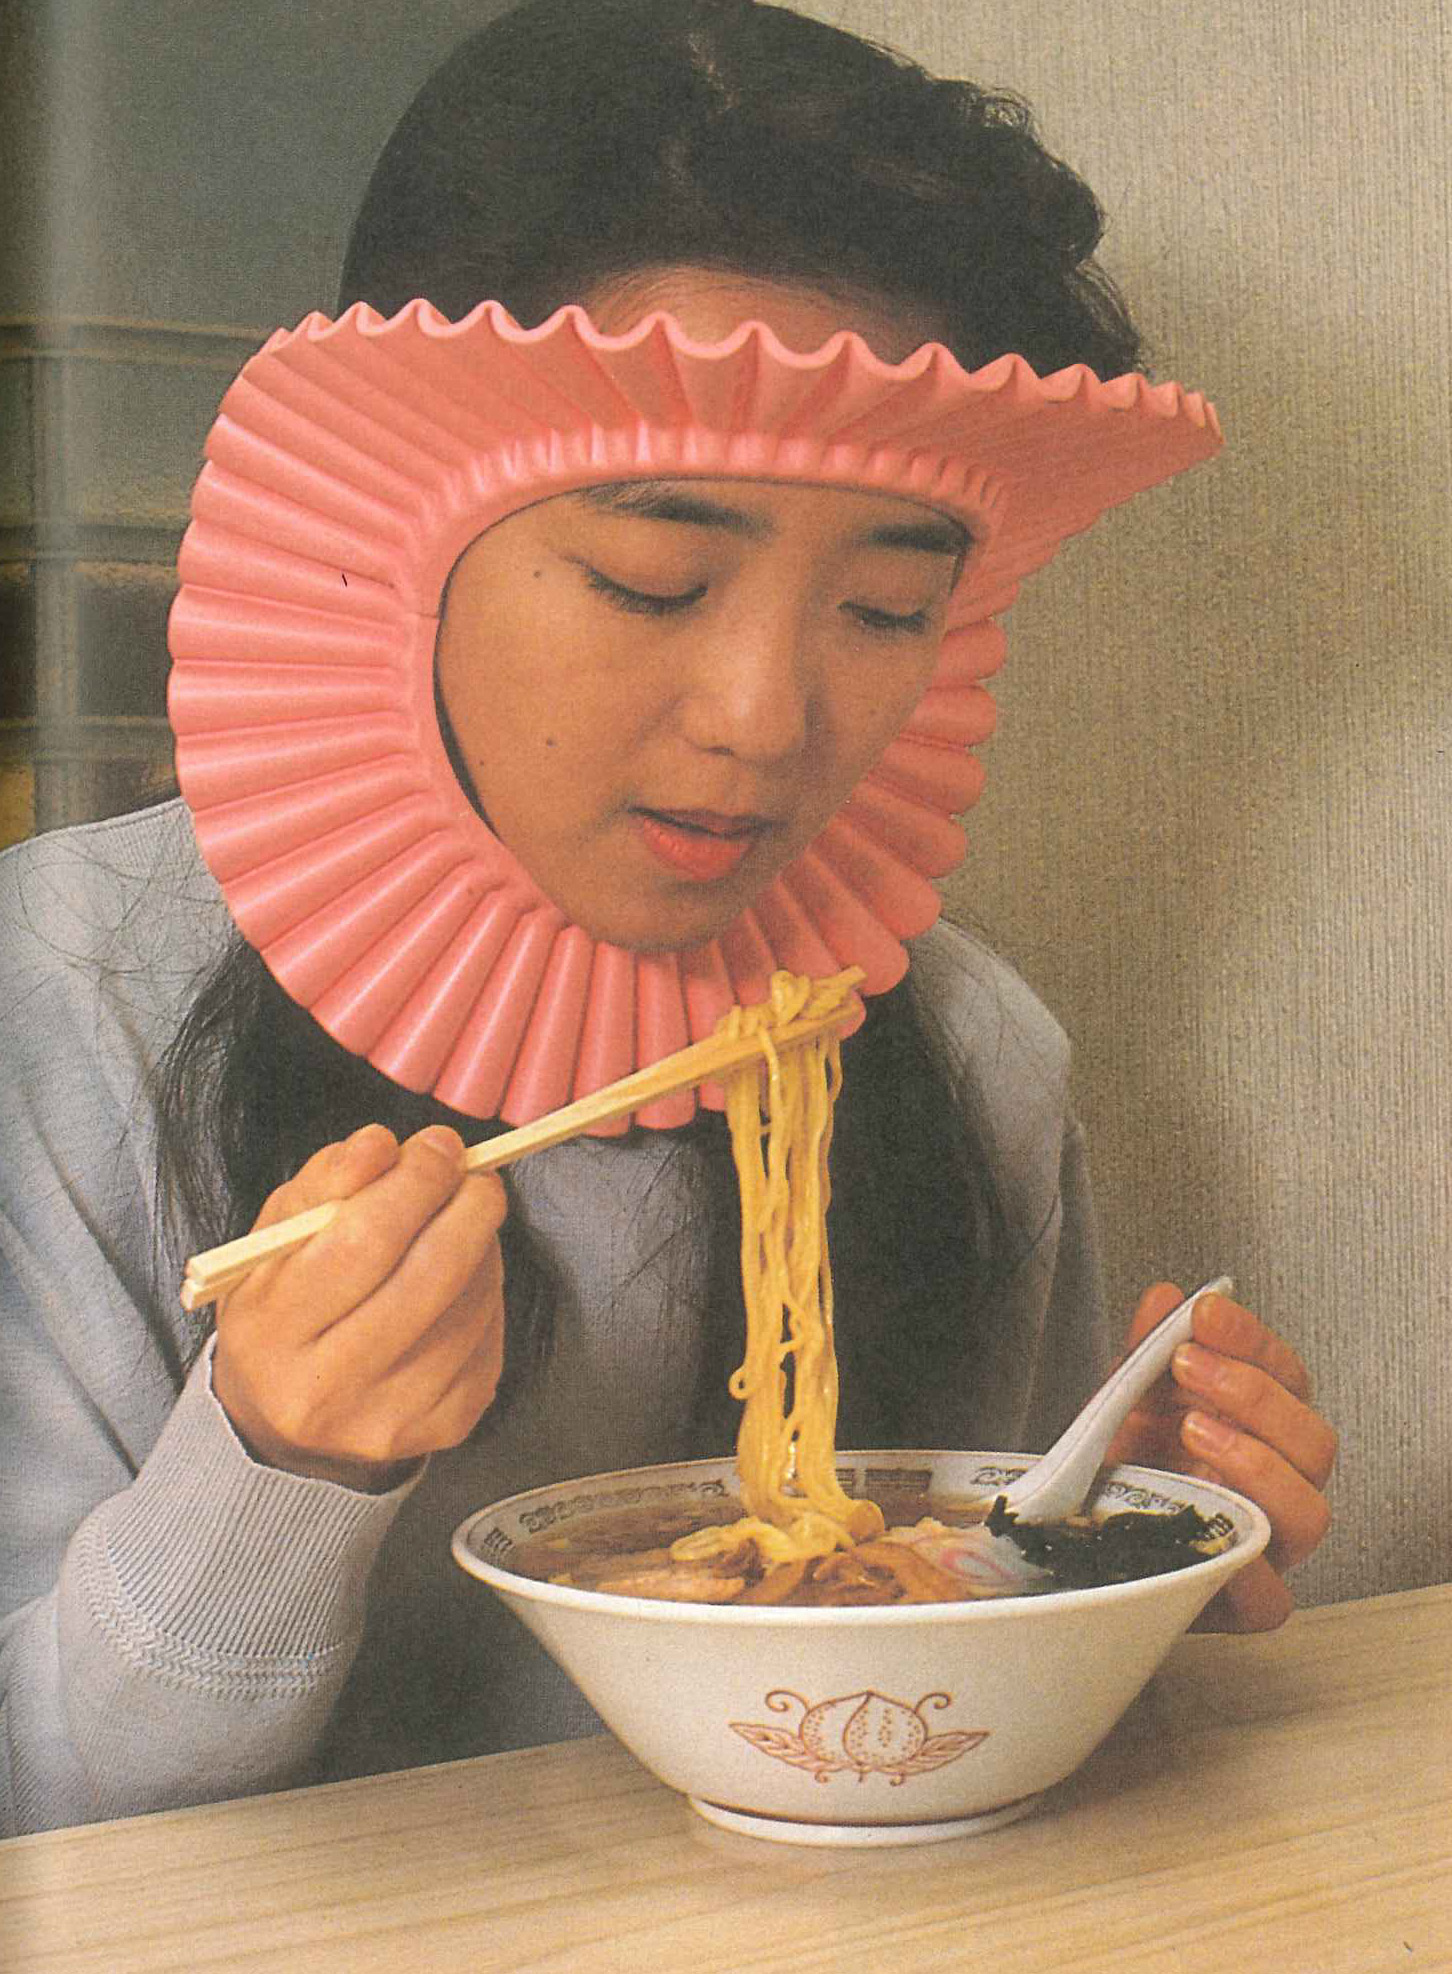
(927, 536)
(652, 500)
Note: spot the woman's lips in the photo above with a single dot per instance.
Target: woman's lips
(698, 844)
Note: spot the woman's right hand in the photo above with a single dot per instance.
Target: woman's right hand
(381, 1339)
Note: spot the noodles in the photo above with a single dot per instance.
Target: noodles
(787, 1381)
(802, 1540)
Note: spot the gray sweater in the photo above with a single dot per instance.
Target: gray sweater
(179, 1624)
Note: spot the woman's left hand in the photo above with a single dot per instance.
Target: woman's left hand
(1235, 1407)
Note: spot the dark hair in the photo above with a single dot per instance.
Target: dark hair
(572, 142)
(569, 144)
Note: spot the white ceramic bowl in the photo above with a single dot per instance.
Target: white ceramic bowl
(897, 1724)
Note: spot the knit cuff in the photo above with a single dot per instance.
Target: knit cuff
(212, 1557)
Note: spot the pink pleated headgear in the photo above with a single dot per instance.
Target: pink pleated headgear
(352, 463)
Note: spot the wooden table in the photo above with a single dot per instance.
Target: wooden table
(1270, 1804)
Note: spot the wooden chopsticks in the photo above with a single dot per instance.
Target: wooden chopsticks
(210, 1274)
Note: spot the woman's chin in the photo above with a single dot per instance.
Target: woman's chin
(677, 916)
(646, 907)
(661, 932)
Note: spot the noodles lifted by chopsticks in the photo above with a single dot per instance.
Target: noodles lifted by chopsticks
(787, 1382)
(802, 1540)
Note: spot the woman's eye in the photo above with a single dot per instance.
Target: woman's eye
(642, 602)
(891, 623)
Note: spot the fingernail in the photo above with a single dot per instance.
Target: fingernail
(439, 1138)
(366, 1134)
(1204, 1434)
(1195, 1364)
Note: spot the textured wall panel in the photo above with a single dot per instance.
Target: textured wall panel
(1217, 832)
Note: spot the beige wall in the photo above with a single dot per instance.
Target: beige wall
(1217, 833)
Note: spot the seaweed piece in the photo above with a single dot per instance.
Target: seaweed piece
(1082, 1554)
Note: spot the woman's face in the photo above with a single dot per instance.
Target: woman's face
(662, 690)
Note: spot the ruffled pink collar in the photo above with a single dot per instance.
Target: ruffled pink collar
(351, 464)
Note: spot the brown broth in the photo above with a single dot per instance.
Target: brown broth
(578, 1550)
(624, 1548)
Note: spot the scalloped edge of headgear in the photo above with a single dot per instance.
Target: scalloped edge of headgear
(350, 465)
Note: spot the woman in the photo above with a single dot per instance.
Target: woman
(227, 1565)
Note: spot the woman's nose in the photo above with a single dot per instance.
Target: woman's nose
(751, 687)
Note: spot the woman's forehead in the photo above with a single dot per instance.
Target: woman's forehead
(761, 510)
(755, 509)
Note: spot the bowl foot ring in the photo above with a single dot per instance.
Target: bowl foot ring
(789, 1830)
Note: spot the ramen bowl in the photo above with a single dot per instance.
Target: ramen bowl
(892, 1724)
